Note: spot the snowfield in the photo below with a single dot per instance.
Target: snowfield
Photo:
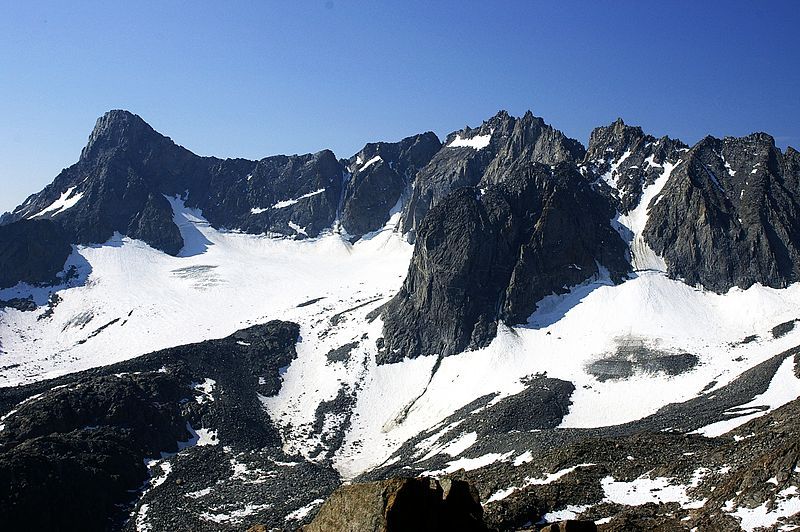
(131, 299)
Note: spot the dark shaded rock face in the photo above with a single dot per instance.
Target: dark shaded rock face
(623, 160)
(68, 459)
(32, 251)
(72, 455)
(511, 140)
(729, 215)
(127, 168)
(379, 176)
(301, 190)
(400, 504)
(484, 257)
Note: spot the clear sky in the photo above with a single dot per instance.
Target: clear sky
(252, 79)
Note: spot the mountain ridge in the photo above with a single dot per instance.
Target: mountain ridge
(127, 173)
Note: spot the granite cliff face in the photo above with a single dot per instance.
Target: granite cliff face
(478, 156)
(380, 175)
(730, 215)
(484, 255)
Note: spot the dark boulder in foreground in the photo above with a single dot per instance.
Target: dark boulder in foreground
(422, 504)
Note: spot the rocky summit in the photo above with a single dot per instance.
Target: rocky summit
(499, 330)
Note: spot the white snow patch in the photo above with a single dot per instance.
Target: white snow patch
(610, 177)
(141, 519)
(207, 437)
(67, 200)
(631, 225)
(199, 493)
(549, 478)
(468, 464)
(300, 513)
(369, 163)
(297, 229)
(787, 503)
(287, 203)
(455, 447)
(235, 516)
(645, 489)
(524, 458)
(568, 513)
(783, 388)
(166, 469)
(478, 142)
(205, 388)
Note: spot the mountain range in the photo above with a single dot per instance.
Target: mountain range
(604, 332)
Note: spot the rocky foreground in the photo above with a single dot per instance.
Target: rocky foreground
(177, 440)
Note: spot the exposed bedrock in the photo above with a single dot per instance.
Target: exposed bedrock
(484, 255)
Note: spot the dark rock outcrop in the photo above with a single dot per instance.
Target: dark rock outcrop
(730, 215)
(379, 175)
(400, 504)
(622, 160)
(32, 251)
(484, 256)
(126, 169)
(507, 140)
(72, 450)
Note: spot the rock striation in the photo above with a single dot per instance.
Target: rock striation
(380, 175)
(730, 215)
(485, 255)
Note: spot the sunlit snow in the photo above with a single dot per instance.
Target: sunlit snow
(68, 199)
(478, 142)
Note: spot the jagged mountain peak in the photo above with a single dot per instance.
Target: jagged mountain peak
(118, 128)
(614, 137)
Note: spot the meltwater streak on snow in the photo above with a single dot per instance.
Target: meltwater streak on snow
(63, 203)
(478, 142)
(220, 282)
(783, 388)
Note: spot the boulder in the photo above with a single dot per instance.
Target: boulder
(422, 504)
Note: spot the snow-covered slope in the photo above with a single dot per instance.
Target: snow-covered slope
(130, 299)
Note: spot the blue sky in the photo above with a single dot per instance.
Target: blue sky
(252, 79)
